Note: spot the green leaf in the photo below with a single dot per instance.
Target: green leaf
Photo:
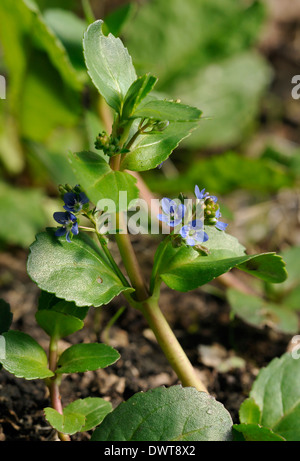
(44, 87)
(24, 357)
(69, 28)
(109, 65)
(258, 312)
(136, 93)
(22, 22)
(86, 357)
(21, 205)
(94, 409)
(5, 316)
(276, 392)
(79, 416)
(76, 271)
(101, 182)
(183, 269)
(167, 110)
(173, 414)
(268, 268)
(249, 412)
(58, 325)
(51, 302)
(149, 150)
(67, 423)
(256, 433)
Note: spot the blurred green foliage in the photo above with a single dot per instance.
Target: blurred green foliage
(202, 51)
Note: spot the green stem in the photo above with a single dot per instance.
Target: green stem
(130, 260)
(53, 383)
(170, 345)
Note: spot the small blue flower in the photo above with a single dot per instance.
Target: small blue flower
(202, 195)
(75, 201)
(69, 224)
(173, 213)
(193, 233)
(219, 224)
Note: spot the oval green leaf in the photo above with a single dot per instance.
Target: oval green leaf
(76, 271)
(24, 357)
(109, 65)
(86, 357)
(173, 414)
(56, 324)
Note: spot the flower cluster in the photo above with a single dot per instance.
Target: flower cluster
(75, 202)
(206, 212)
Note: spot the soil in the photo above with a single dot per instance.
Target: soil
(200, 319)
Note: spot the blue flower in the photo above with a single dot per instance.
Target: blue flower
(193, 233)
(69, 224)
(173, 213)
(74, 201)
(202, 195)
(219, 224)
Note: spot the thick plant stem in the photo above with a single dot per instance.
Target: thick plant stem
(170, 345)
(53, 385)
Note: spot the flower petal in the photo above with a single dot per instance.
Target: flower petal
(75, 229)
(221, 225)
(166, 205)
(190, 241)
(60, 231)
(60, 217)
(184, 231)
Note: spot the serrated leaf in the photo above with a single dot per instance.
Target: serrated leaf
(109, 65)
(79, 416)
(149, 150)
(183, 269)
(24, 357)
(5, 316)
(276, 392)
(173, 414)
(76, 271)
(86, 357)
(167, 110)
(101, 182)
(58, 325)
